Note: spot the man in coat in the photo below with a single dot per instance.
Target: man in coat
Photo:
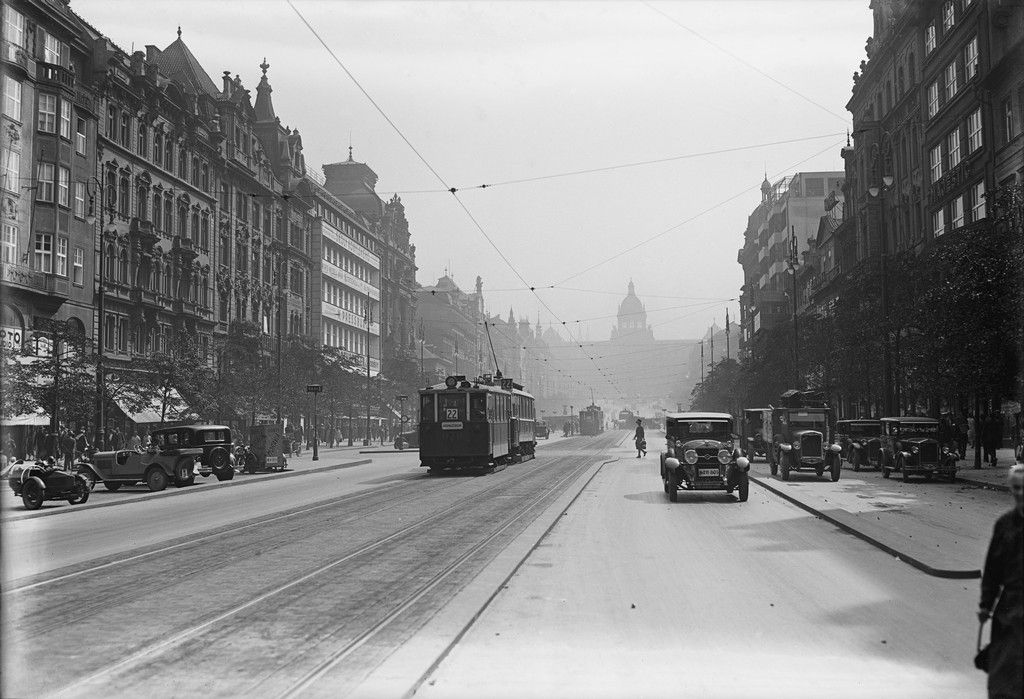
(1003, 580)
(640, 439)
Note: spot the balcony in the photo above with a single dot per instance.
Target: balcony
(41, 282)
(142, 234)
(18, 57)
(49, 73)
(145, 297)
(182, 307)
(184, 248)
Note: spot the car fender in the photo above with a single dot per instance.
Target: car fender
(671, 463)
(86, 466)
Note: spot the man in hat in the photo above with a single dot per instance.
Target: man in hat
(640, 439)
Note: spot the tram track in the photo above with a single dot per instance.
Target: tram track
(381, 504)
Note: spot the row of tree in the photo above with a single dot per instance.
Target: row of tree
(955, 331)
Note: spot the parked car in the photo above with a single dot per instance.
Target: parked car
(910, 445)
(176, 454)
(541, 429)
(799, 436)
(701, 453)
(408, 440)
(37, 481)
(861, 442)
(754, 442)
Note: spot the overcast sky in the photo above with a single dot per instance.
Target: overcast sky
(491, 92)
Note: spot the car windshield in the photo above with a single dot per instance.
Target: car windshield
(719, 430)
(807, 421)
(916, 429)
(862, 429)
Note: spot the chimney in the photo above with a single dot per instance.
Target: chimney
(228, 84)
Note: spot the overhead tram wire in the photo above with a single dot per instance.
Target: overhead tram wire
(609, 168)
(434, 172)
(690, 219)
(845, 118)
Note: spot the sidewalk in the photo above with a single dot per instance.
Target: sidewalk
(986, 476)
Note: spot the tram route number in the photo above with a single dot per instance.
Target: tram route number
(451, 413)
(451, 425)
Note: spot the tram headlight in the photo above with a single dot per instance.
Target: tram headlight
(724, 456)
(451, 382)
(690, 456)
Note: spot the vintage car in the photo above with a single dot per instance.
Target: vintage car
(754, 443)
(37, 481)
(408, 440)
(861, 443)
(799, 436)
(911, 446)
(176, 453)
(701, 454)
(541, 429)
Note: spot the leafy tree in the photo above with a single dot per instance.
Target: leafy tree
(719, 391)
(181, 368)
(245, 383)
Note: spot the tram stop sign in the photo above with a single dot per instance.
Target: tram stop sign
(314, 388)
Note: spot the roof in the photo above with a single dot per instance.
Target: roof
(177, 61)
(698, 416)
(911, 420)
(631, 305)
(859, 419)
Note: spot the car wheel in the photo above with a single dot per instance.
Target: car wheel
(886, 471)
(225, 474)
(82, 490)
(670, 488)
(156, 479)
(219, 458)
(820, 471)
(784, 468)
(837, 468)
(184, 473)
(744, 486)
(32, 495)
(905, 475)
(89, 476)
(112, 486)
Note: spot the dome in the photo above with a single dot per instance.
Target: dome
(631, 305)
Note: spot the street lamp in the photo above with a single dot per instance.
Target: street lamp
(878, 191)
(793, 261)
(94, 186)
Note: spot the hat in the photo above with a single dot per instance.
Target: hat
(638, 421)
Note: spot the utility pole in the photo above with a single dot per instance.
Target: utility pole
(727, 355)
(712, 364)
(100, 435)
(423, 374)
(366, 439)
(793, 261)
(702, 361)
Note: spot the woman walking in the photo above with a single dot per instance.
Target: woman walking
(639, 439)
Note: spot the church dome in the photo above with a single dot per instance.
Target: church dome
(631, 305)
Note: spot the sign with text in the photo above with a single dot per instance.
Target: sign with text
(314, 388)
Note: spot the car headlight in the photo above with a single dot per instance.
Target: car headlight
(855, 445)
(795, 445)
(913, 450)
(724, 456)
(785, 447)
(690, 456)
(679, 443)
(743, 463)
(835, 448)
(945, 450)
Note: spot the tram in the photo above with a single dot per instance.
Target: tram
(591, 421)
(482, 424)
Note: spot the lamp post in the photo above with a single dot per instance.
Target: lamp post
(366, 438)
(94, 186)
(878, 190)
(315, 388)
(793, 261)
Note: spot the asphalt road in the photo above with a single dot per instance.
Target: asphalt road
(569, 575)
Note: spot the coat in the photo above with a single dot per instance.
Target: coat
(1004, 568)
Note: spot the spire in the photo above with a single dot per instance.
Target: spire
(511, 317)
(264, 106)
(179, 31)
(766, 187)
(632, 289)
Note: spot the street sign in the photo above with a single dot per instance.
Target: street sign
(402, 397)
(314, 388)
(406, 418)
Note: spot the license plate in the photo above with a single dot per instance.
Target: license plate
(451, 425)
(707, 472)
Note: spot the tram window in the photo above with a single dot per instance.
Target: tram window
(451, 406)
(477, 406)
(427, 408)
(490, 407)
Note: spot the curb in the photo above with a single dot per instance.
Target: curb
(983, 484)
(906, 558)
(183, 491)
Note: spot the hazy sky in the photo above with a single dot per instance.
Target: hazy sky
(491, 92)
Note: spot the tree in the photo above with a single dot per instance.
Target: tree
(719, 391)
(244, 373)
(180, 369)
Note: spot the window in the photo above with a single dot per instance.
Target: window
(12, 170)
(111, 122)
(65, 119)
(122, 196)
(63, 186)
(62, 256)
(122, 335)
(971, 59)
(938, 223)
(195, 226)
(935, 160)
(204, 237)
(78, 267)
(141, 200)
(80, 137)
(44, 182)
(933, 99)
(948, 17)
(158, 148)
(952, 81)
(126, 123)
(14, 26)
(157, 199)
(43, 257)
(953, 148)
(182, 220)
(1009, 127)
(47, 120)
(974, 131)
(122, 267)
(929, 38)
(10, 243)
(205, 181)
(182, 164)
(79, 208)
(194, 179)
(142, 140)
(168, 214)
(12, 97)
(956, 212)
(54, 51)
(168, 154)
(978, 201)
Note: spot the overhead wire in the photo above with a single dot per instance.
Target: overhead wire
(434, 172)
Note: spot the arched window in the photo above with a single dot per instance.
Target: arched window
(122, 268)
(206, 290)
(168, 153)
(156, 283)
(168, 280)
(141, 200)
(183, 220)
(195, 171)
(142, 144)
(111, 190)
(182, 164)
(204, 232)
(124, 200)
(168, 214)
(158, 148)
(111, 262)
(157, 209)
(195, 226)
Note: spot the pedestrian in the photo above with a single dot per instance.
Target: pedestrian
(991, 437)
(972, 431)
(67, 449)
(1002, 596)
(116, 440)
(640, 439)
(135, 443)
(962, 427)
(81, 443)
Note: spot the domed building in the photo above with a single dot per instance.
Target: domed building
(632, 319)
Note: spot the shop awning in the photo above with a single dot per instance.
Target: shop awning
(177, 409)
(37, 418)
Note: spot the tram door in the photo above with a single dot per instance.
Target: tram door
(513, 426)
